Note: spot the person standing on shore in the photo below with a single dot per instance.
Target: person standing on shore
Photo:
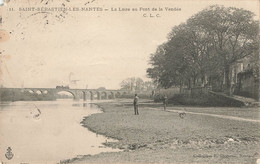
(136, 99)
(165, 101)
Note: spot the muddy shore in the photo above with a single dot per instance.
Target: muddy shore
(157, 136)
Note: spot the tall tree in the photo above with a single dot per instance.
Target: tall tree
(205, 47)
(233, 33)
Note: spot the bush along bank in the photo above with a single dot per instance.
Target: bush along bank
(204, 100)
(200, 100)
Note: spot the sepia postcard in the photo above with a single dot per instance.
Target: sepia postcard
(129, 81)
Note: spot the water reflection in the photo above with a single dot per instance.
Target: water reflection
(53, 135)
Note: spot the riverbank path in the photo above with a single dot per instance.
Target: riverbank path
(213, 115)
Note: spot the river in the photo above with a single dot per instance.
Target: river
(47, 131)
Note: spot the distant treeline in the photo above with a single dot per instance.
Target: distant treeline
(15, 95)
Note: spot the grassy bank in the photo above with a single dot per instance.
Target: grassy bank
(157, 136)
(206, 100)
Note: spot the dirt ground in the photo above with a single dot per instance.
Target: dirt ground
(158, 136)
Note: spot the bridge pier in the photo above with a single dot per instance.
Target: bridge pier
(113, 95)
(98, 96)
(91, 96)
(76, 96)
(84, 96)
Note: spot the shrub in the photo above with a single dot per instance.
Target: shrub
(204, 100)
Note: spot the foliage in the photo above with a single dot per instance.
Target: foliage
(202, 50)
(204, 100)
(136, 84)
(101, 89)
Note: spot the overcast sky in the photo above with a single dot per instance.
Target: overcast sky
(98, 48)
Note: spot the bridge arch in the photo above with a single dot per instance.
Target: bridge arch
(104, 95)
(68, 91)
(98, 95)
(91, 95)
(117, 94)
(112, 95)
(84, 95)
(38, 92)
(30, 91)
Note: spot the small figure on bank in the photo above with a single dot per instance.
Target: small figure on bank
(136, 99)
(165, 102)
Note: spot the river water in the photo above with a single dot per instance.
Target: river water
(47, 135)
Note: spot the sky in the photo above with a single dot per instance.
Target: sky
(98, 48)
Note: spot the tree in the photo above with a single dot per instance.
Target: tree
(180, 59)
(136, 84)
(157, 60)
(204, 48)
(101, 89)
(128, 84)
(149, 86)
(233, 33)
(139, 84)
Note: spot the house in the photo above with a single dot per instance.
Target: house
(245, 77)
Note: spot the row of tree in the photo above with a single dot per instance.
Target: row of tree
(136, 84)
(205, 47)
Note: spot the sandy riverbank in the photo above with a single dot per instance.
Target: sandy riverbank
(157, 136)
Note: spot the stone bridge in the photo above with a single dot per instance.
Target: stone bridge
(76, 93)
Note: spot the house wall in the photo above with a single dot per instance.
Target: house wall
(247, 85)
